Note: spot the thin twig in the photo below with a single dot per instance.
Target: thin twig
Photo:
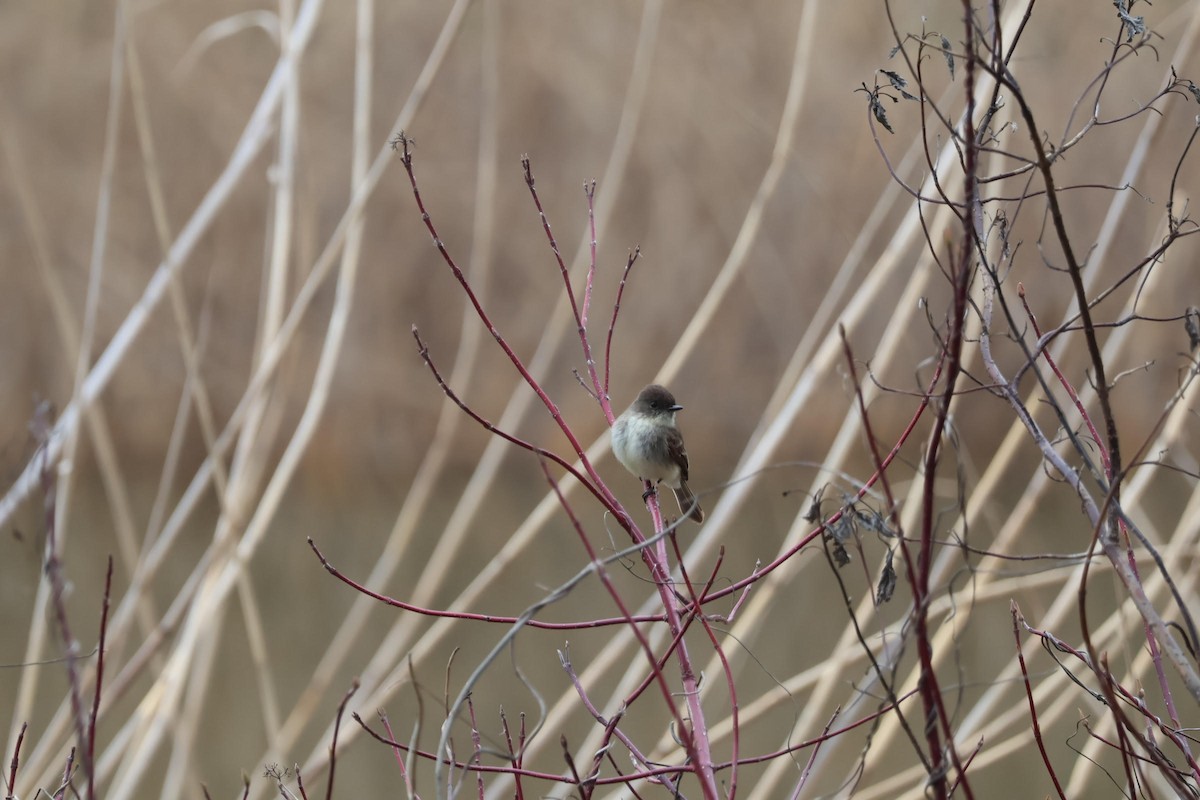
(337, 724)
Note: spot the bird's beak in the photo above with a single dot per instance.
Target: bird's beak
(676, 408)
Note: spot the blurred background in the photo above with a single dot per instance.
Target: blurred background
(680, 111)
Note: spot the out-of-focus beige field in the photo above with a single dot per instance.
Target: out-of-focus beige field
(759, 223)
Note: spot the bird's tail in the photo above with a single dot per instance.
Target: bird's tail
(688, 504)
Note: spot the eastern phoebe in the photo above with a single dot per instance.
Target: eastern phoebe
(647, 443)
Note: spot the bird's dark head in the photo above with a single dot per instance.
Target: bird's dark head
(655, 401)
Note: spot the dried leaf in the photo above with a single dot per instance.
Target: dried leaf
(1195, 90)
(1133, 25)
(898, 83)
(878, 111)
(887, 581)
(949, 56)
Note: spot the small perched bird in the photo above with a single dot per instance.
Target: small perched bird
(647, 443)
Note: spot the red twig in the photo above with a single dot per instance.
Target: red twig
(812, 757)
(605, 580)
(537, 201)
(637, 692)
(611, 728)
(496, 618)
(1037, 728)
(337, 724)
(515, 753)
(466, 766)
(476, 746)
(67, 772)
(589, 190)
(576, 781)
(612, 326)
(16, 760)
(935, 710)
(580, 312)
(91, 743)
(54, 570)
(650, 774)
(602, 496)
(786, 556)
(742, 598)
(387, 726)
(1070, 390)
(826, 736)
(519, 763)
(1151, 639)
(1115, 691)
(695, 739)
(300, 783)
(697, 603)
(406, 159)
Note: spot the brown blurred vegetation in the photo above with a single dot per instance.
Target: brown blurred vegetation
(718, 78)
(706, 131)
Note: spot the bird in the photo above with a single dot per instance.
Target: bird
(647, 442)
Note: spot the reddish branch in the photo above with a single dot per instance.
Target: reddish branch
(787, 555)
(337, 724)
(1112, 692)
(695, 738)
(402, 142)
(95, 715)
(612, 326)
(697, 607)
(1037, 728)
(1151, 640)
(42, 426)
(494, 618)
(602, 573)
(629, 778)
(16, 760)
